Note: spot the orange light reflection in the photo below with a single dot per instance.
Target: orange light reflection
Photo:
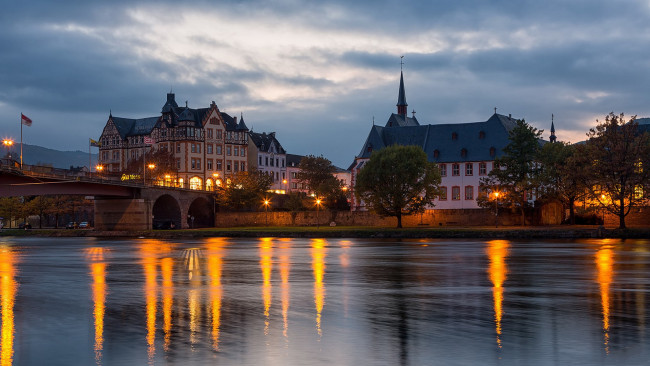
(318, 253)
(167, 271)
(497, 251)
(266, 263)
(605, 263)
(285, 267)
(216, 251)
(149, 251)
(98, 272)
(8, 289)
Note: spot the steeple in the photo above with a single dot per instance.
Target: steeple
(401, 100)
(552, 138)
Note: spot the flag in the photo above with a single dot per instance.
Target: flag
(148, 140)
(25, 120)
(95, 143)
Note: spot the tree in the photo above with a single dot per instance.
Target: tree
(246, 189)
(517, 171)
(318, 173)
(10, 207)
(618, 156)
(561, 175)
(397, 181)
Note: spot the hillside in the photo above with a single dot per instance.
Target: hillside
(38, 155)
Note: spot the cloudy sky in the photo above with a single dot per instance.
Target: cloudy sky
(318, 72)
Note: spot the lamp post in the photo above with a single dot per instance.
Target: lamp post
(99, 168)
(318, 202)
(8, 143)
(602, 197)
(266, 211)
(496, 209)
(286, 189)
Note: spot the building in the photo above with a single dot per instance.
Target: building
(208, 145)
(464, 152)
(266, 154)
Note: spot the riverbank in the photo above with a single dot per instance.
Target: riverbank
(508, 232)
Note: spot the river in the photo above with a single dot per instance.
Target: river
(270, 301)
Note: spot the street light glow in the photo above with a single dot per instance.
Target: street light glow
(7, 142)
(152, 166)
(99, 168)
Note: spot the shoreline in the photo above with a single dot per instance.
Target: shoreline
(514, 232)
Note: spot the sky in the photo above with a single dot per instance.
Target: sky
(318, 72)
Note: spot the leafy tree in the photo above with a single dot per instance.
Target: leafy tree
(10, 207)
(317, 172)
(561, 175)
(517, 171)
(397, 181)
(40, 205)
(618, 156)
(246, 189)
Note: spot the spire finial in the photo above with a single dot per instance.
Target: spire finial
(401, 99)
(186, 104)
(373, 120)
(413, 113)
(553, 138)
(495, 110)
(110, 113)
(401, 63)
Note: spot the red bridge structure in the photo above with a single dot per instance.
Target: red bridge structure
(119, 205)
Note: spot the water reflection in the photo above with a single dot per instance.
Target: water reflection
(497, 252)
(344, 258)
(318, 253)
(285, 267)
(8, 289)
(98, 272)
(167, 271)
(266, 263)
(605, 264)
(215, 249)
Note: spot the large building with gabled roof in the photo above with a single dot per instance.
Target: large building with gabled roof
(464, 152)
(208, 145)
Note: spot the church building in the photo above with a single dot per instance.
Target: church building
(464, 152)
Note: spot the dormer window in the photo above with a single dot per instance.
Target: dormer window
(436, 153)
(463, 153)
(369, 148)
(493, 151)
(454, 136)
(481, 135)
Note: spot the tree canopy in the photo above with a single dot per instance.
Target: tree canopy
(318, 173)
(516, 173)
(617, 155)
(397, 181)
(245, 190)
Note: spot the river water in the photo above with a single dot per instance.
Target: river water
(220, 301)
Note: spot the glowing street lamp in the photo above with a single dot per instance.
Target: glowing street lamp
(496, 208)
(8, 143)
(318, 203)
(602, 198)
(267, 202)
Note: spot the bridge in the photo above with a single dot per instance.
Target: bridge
(119, 205)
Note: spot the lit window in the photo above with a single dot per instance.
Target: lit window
(443, 194)
(638, 192)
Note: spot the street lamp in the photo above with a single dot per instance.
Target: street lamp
(8, 143)
(151, 166)
(318, 202)
(286, 189)
(99, 169)
(602, 198)
(496, 208)
(266, 211)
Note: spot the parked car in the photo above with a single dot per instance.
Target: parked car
(84, 225)
(25, 226)
(71, 225)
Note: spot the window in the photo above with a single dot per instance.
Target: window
(436, 153)
(193, 149)
(443, 170)
(493, 151)
(293, 175)
(236, 166)
(454, 136)
(455, 193)
(219, 135)
(209, 162)
(243, 152)
(463, 153)
(294, 185)
(260, 159)
(271, 161)
(228, 164)
(198, 148)
(276, 162)
(481, 135)
(209, 148)
(482, 168)
(469, 169)
(210, 133)
(219, 165)
(243, 166)
(283, 162)
(218, 149)
(266, 160)
(469, 192)
(178, 163)
(638, 191)
(178, 147)
(236, 151)
(228, 151)
(443, 194)
(193, 163)
(455, 170)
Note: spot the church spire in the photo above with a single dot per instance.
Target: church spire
(552, 138)
(401, 100)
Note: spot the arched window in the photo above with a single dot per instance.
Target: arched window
(181, 182)
(209, 185)
(195, 183)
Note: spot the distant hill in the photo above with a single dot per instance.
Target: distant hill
(38, 155)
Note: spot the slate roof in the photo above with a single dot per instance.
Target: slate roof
(294, 160)
(263, 141)
(401, 99)
(397, 120)
(446, 142)
(134, 127)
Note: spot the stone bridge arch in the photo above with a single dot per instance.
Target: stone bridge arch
(200, 213)
(166, 213)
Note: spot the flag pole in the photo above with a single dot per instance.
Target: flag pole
(21, 141)
(90, 161)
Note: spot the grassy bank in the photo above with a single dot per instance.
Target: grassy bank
(515, 232)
